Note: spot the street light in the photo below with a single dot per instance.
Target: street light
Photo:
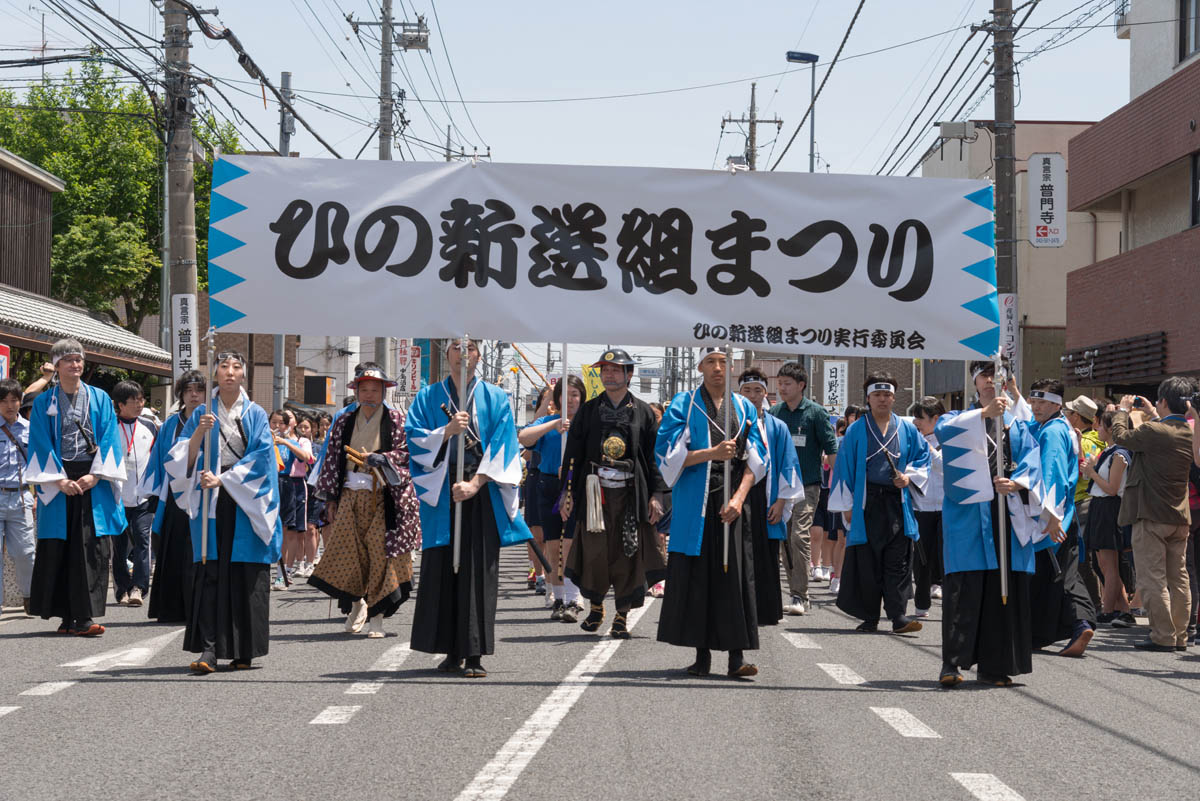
(796, 57)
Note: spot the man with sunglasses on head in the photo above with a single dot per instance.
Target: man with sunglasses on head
(76, 462)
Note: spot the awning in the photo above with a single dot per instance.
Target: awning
(35, 322)
(1132, 360)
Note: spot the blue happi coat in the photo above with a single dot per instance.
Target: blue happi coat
(783, 472)
(492, 420)
(967, 542)
(1060, 473)
(252, 482)
(46, 470)
(848, 485)
(684, 427)
(156, 483)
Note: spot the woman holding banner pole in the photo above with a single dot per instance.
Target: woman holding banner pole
(466, 466)
(230, 615)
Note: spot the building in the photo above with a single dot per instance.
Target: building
(1132, 315)
(1041, 272)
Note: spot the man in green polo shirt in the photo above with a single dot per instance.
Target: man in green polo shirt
(812, 434)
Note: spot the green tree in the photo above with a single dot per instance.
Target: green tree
(106, 146)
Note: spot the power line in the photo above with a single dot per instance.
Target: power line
(457, 88)
(824, 80)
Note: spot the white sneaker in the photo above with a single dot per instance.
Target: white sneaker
(936, 592)
(278, 585)
(835, 584)
(921, 613)
(135, 597)
(815, 573)
(357, 617)
(796, 607)
(375, 632)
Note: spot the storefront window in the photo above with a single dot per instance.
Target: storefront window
(1196, 189)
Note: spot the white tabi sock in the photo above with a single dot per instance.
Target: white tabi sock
(572, 590)
(559, 592)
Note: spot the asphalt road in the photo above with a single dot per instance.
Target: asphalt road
(832, 715)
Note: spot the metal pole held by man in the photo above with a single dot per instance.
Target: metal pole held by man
(1001, 501)
(463, 404)
(206, 494)
(727, 405)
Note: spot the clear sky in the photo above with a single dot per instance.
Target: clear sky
(537, 50)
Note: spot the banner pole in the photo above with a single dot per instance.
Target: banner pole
(1001, 501)
(205, 494)
(727, 403)
(463, 346)
(564, 399)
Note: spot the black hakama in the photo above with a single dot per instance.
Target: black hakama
(881, 568)
(456, 614)
(597, 559)
(768, 589)
(705, 606)
(927, 557)
(231, 601)
(1058, 596)
(70, 576)
(170, 592)
(978, 629)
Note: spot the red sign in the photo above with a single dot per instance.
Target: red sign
(5, 360)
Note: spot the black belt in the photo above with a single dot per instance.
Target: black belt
(882, 489)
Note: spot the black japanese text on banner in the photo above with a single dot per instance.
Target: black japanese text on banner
(823, 264)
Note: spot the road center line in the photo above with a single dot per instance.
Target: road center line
(392, 658)
(499, 775)
(904, 722)
(135, 655)
(49, 688)
(364, 688)
(335, 715)
(4, 710)
(842, 674)
(986, 787)
(800, 640)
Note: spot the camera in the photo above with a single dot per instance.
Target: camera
(1138, 403)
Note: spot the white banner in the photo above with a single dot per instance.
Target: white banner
(837, 373)
(827, 264)
(187, 349)
(1046, 200)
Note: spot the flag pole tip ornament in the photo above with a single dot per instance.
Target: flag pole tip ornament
(371, 374)
(222, 314)
(984, 234)
(984, 270)
(984, 197)
(986, 306)
(225, 171)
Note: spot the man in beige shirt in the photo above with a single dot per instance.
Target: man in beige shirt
(1156, 505)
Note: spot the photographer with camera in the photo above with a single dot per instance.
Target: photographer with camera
(1156, 505)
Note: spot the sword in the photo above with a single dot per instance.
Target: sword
(463, 345)
(727, 403)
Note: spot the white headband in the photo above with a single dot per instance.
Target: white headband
(54, 360)
(1046, 396)
(881, 388)
(753, 381)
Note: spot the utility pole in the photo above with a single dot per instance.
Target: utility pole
(449, 154)
(180, 179)
(411, 36)
(287, 126)
(1005, 136)
(752, 123)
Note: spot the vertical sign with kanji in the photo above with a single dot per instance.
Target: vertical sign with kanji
(414, 369)
(1046, 206)
(187, 346)
(1009, 329)
(836, 373)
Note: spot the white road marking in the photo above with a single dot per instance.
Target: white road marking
(335, 715)
(499, 775)
(392, 658)
(842, 674)
(134, 655)
(49, 688)
(4, 710)
(986, 787)
(904, 722)
(364, 688)
(800, 640)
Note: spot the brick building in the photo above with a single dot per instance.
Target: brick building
(1131, 318)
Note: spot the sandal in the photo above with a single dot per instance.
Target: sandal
(620, 629)
(592, 622)
(451, 664)
(93, 630)
(474, 670)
